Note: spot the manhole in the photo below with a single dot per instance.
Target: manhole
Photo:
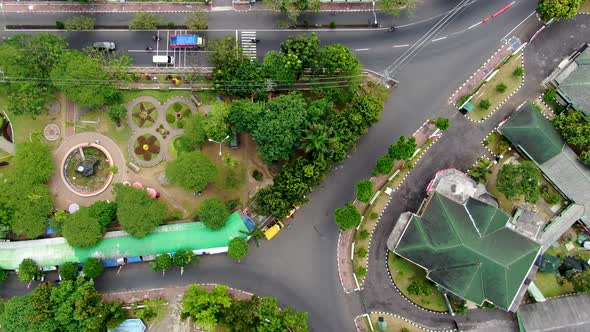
(51, 132)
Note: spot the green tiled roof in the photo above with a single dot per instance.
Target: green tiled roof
(577, 84)
(468, 250)
(528, 129)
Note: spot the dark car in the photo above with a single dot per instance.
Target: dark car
(235, 141)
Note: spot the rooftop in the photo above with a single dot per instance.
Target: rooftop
(565, 314)
(574, 81)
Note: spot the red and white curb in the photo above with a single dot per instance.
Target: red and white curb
(383, 313)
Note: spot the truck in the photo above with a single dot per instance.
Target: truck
(186, 41)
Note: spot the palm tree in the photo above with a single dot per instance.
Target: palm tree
(317, 140)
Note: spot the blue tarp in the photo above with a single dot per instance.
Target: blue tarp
(109, 262)
(130, 325)
(184, 40)
(133, 259)
(248, 222)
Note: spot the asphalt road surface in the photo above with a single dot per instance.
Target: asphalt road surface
(299, 265)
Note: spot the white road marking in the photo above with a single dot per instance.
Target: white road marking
(473, 26)
(519, 24)
(404, 45)
(361, 49)
(441, 38)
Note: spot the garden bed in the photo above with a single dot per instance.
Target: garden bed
(88, 183)
(497, 143)
(404, 273)
(394, 324)
(146, 147)
(144, 114)
(489, 91)
(177, 114)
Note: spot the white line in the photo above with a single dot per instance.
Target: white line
(404, 45)
(473, 26)
(362, 49)
(519, 24)
(441, 38)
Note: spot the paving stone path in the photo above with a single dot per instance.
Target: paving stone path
(152, 130)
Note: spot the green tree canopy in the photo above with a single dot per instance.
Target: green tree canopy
(240, 315)
(244, 115)
(318, 140)
(581, 281)
(82, 22)
(183, 257)
(271, 319)
(215, 123)
(515, 181)
(27, 270)
(337, 59)
(162, 263)
(242, 78)
(238, 248)
(92, 268)
(192, 171)
(84, 80)
(384, 165)
(558, 9)
(203, 307)
(25, 56)
(347, 217)
(573, 127)
(82, 230)
(25, 207)
(301, 52)
(213, 213)
(194, 130)
(280, 130)
(103, 211)
(117, 112)
(137, 212)
(68, 271)
(364, 191)
(144, 21)
(442, 123)
(279, 69)
(402, 150)
(33, 162)
(196, 21)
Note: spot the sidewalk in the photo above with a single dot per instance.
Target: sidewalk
(156, 7)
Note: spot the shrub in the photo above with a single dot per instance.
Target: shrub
(420, 287)
(59, 25)
(549, 96)
(518, 71)
(176, 215)
(68, 271)
(553, 199)
(257, 175)
(170, 118)
(361, 271)
(213, 213)
(332, 25)
(196, 21)
(485, 104)
(232, 204)
(153, 308)
(80, 23)
(170, 25)
(347, 217)
(374, 215)
(364, 234)
(384, 165)
(361, 252)
(92, 267)
(404, 329)
(585, 157)
(442, 123)
(501, 87)
(144, 21)
(364, 191)
(462, 100)
(180, 123)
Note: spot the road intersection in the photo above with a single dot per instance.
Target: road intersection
(299, 267)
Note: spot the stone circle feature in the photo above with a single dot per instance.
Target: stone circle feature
(51, 132)
(86, 169)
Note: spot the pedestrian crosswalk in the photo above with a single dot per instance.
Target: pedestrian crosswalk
(247, 43)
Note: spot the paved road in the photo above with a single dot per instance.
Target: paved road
(299, 266)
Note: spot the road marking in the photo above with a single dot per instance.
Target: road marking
(248, 47)
(361, 49)
(473, 26)
(441, 38)
(519, 24)
(404, 45)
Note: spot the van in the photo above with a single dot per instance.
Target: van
(163, 59)
(273, 230)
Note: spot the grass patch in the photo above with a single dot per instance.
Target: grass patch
(403, 273)
(160, 95)
(489, 92)
(394, 324)
(547, 283)
(177, 114)
(207, 97)
(497, 143)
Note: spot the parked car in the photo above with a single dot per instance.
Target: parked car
(105, 45)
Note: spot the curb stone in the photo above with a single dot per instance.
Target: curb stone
(382, 313)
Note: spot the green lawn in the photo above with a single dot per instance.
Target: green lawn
(394, 324)
(505, 76)
(547, 283)
(403, 273)
(102, 124)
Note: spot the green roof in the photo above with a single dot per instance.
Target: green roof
(577, 83)
(550, 264)
(468, 250)
(528, 129)
(168, 238)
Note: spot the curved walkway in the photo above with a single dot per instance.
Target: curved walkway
(62, 195)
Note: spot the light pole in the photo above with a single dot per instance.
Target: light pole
(223, 140)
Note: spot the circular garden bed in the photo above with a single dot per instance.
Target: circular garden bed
(177, 113)
(87, 170)
(146, 147)
(144, 114)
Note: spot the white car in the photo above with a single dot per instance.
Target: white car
(109, 46)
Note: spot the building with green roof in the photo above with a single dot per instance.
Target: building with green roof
(572, 81)
(535, 137)
(466, 245)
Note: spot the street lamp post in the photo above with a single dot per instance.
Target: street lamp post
(223, 140)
